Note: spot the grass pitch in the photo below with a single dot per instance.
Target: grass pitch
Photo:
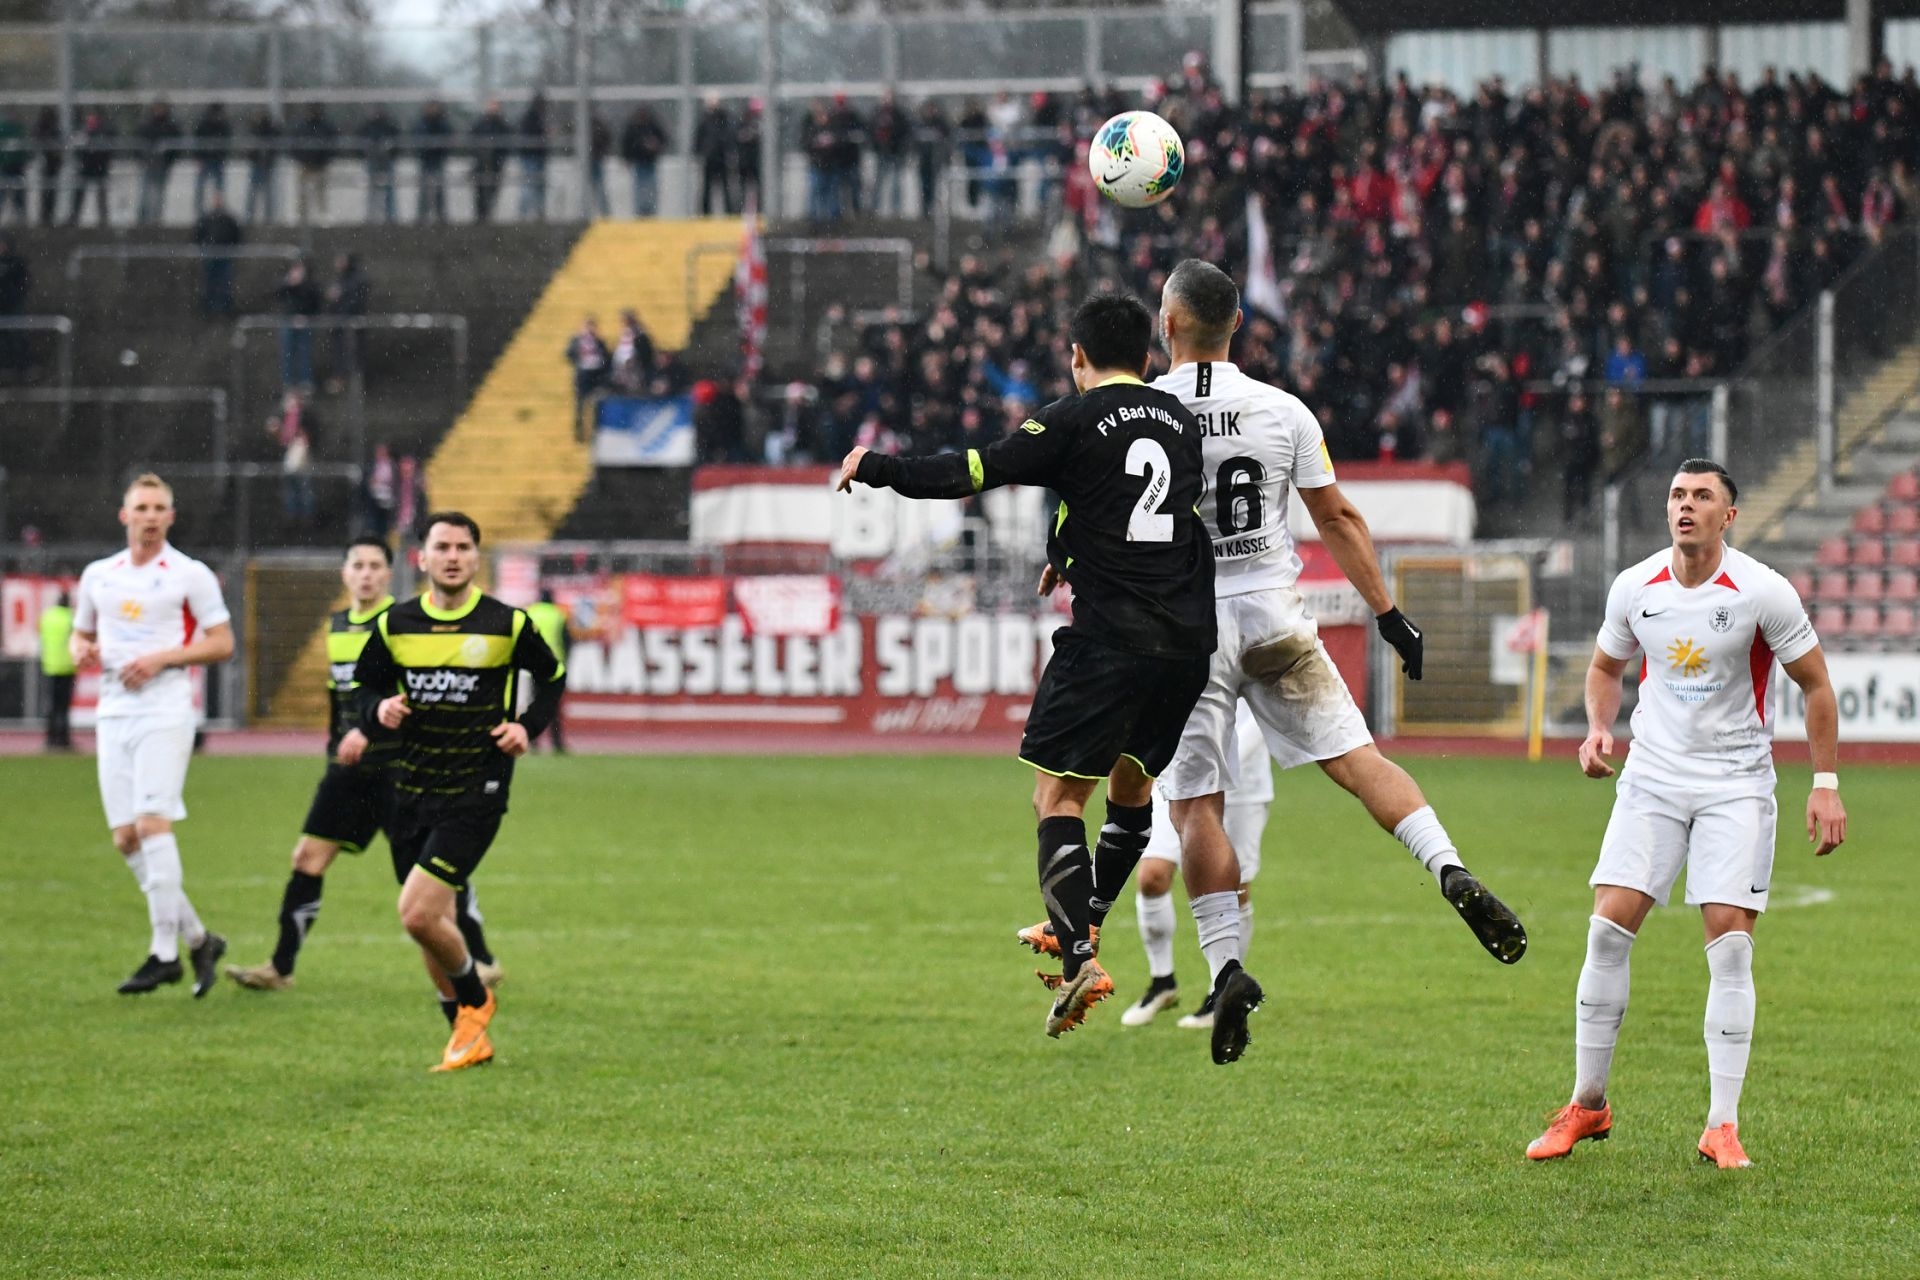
(766, 1018)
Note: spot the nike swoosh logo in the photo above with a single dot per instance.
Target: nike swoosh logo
(1756, 888)
(1591, 1004)
(1651, 613)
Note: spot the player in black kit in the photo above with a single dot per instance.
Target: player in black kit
(1124, 675)
(350, 805)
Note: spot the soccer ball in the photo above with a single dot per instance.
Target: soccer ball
(1136, 159)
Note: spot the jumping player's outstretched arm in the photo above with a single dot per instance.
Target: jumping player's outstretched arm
(1826, 816)
(1344, 531)
(1030, 455)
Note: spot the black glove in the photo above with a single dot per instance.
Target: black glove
(1405, 639)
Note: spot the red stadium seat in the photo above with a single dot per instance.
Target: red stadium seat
(1903, 519)
(1830, 619)
(1904, 551)
(1834, 552)
(1802, 580)
(1869, 553)
(1864, 622)
(1832, 587)
(1870, 519)
(1868, 587)
(1902, 585)
(1905, 486)
(1897, 621)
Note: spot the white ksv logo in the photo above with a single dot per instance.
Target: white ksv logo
(1721, 619)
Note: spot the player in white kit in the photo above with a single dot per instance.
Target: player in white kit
(1245, 820)
(1697, 790)
(144, 616)
(1258, 443)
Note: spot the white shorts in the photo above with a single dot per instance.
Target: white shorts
(1270, 654)
(1722, 836)
(143, 766)
(1246, 824)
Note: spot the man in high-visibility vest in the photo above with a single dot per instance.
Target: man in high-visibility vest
(56, 663)
(550, 620)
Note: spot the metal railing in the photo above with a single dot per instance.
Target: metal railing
(178, 253)
(62, 326)
(670, 60)
(66, 397)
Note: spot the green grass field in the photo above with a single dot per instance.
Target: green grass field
(766, 1018)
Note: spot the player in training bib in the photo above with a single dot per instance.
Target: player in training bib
(1697, 790)
(144, 616)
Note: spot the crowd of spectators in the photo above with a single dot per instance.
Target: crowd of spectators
(1506, 278)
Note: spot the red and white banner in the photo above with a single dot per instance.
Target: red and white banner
(22, 597)
(655, 600)
(789, 604)
(750, 295)
(797, 506)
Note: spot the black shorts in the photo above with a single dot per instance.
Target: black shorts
(350, 807)
(447, 846)
(1097, 703)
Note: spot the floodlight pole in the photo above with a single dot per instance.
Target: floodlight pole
(772, 138)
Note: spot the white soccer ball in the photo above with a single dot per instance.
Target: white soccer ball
(1136, 159)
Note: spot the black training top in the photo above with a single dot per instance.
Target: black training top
(1125, 460)
(459, 671)
(347, 633)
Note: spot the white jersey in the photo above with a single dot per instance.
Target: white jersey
(1258, 443)
(1708, 655)
(135, 610)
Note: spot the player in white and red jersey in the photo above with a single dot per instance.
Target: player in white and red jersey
(1258, 445)
(1697, 790)
(143, 617)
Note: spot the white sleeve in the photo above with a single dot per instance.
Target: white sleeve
(203, 597)
(84, 617)
(1616, 632)
(1783, 621)
(1312, 464)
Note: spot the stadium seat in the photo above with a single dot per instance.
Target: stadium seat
(1903, 519)
(1870, 519)
(1868, 587)
(1904, 551)
(1834, 552)
(1905, 486)
(1863, 623)
(1802, 580)
(1832, 587)
(1830, 619)
(1897, 622)
(1869, 553)
(1902, 585)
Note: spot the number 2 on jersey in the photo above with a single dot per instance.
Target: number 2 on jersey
(1146, 458)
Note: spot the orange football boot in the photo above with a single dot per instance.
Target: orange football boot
(1722, 1147)
(468, 1046)
(1574, 1123)
(1040, 937)
(1072, 999)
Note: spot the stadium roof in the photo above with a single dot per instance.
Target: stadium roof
(1376, 18)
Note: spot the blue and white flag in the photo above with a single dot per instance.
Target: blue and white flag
(634, 432)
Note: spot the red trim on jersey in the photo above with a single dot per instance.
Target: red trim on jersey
(186, 614)
(1760, 663)
(1643, 668)
(1665, 575)
(1724, 581)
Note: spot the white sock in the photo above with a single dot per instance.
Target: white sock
(1602, 1003)
(1246, 930)
(1155, 918)
(1729, 1025)
(168, 910)
(137, 864)
(1427, 841)
(1217, 918)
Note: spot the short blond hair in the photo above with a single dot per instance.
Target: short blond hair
(147, 480)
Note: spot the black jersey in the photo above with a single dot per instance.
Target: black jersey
(347, 633)
(459, 671)
(1125, 460)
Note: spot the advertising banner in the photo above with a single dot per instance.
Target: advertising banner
(1878, 695)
